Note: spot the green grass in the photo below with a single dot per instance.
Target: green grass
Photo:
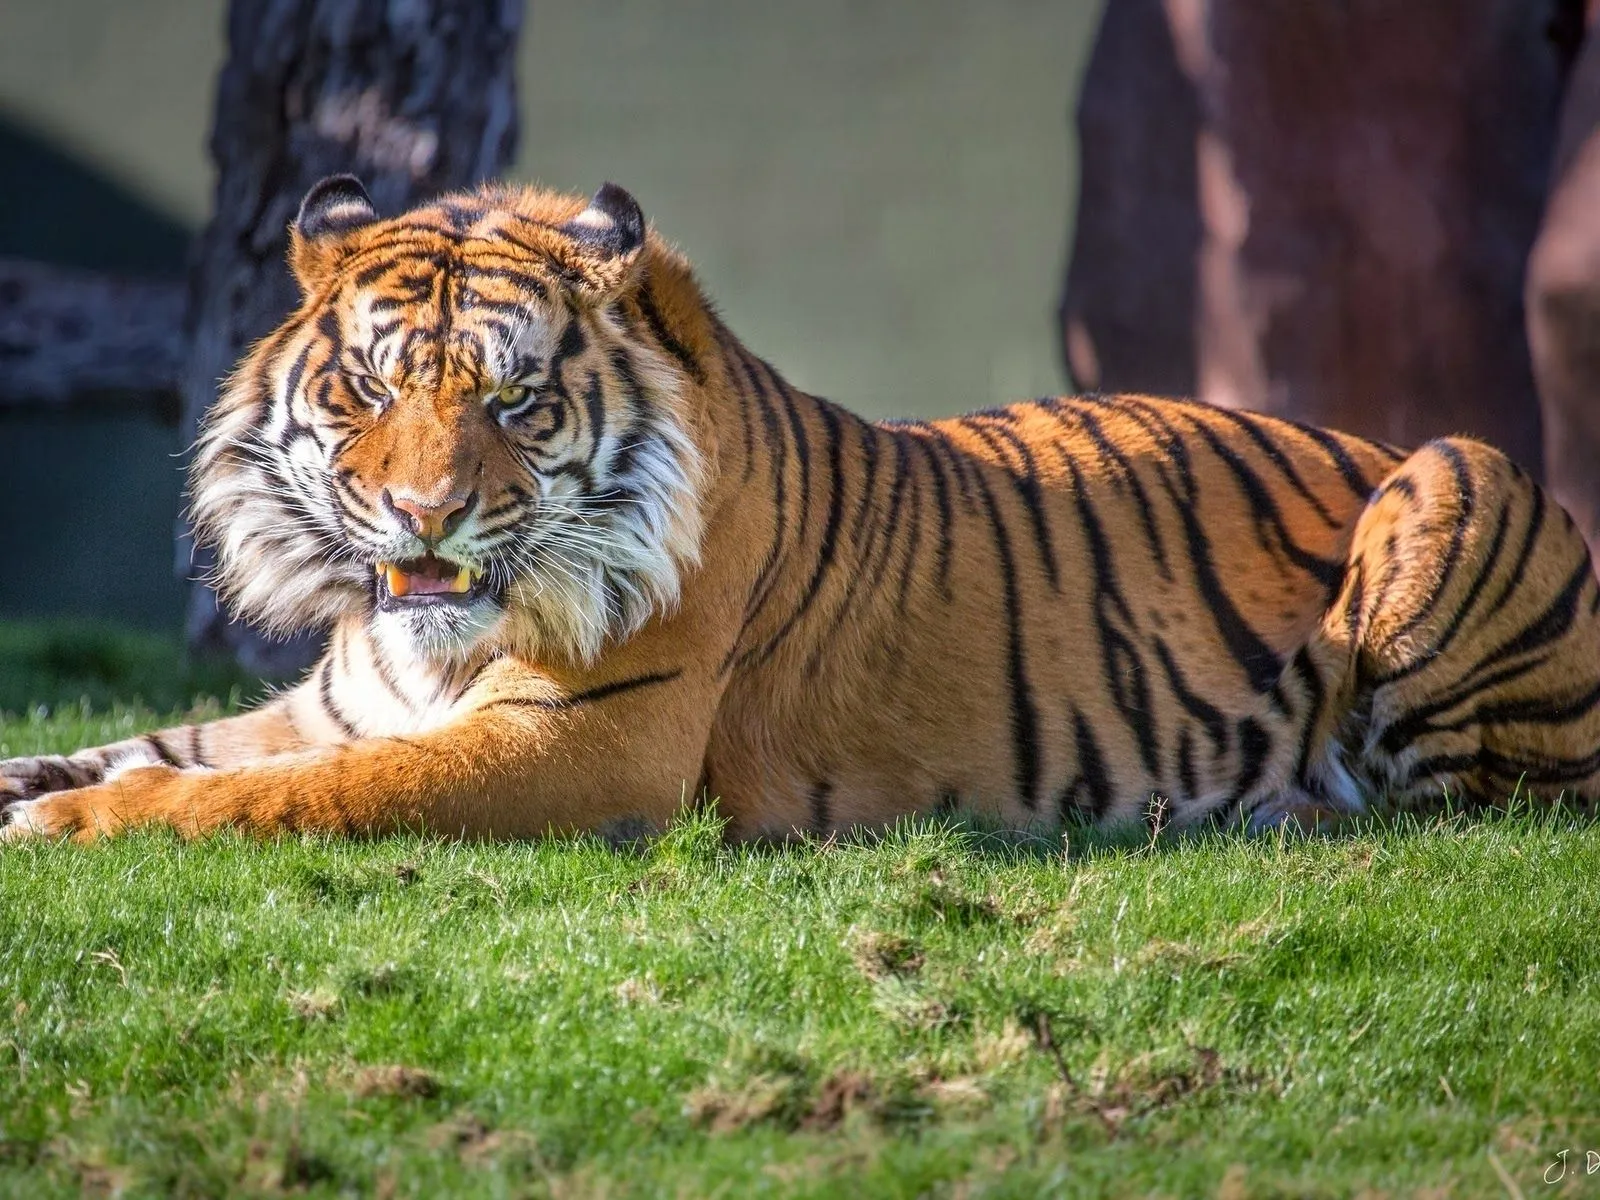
(1403, 1009)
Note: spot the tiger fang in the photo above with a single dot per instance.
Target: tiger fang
(427, 580)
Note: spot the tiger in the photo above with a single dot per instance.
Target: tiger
(582, 560)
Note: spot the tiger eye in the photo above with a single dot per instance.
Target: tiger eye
(510, 396)
(371, 389)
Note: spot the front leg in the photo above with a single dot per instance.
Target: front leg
(524, 755)
(231, 741)
(309, 715)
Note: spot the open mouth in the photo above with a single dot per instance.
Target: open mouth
(427, 580)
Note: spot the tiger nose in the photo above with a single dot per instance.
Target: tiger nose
(430, 522)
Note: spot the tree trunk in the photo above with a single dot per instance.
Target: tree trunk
(1563, 297)
(1318, 210)
(413, 96)
(75, 338)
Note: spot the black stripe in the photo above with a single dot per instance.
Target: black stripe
(868, 437)
(941, 495)
(821, 809)
(658, 326)
(329, 706)
(440, 686)
(446, 305)
(802, 445)
(477, 673)
(1024, 716)
(1405, 728)
(1211, 718)
(1251, 424)
(594, 405)
(1359, 485)
(1537, 710)
(960, 464)
(1439, 764)
(1354, 613)
(263, 388)
(1468, 496)
(1186, 772)
(195, 755)
(1254, 746)
(1462, 610)
(418, 222)
(830, 532)
(1529, 540)
(633, 390)
(913, 540)
(1120, 660)
(889, 526)
(1026, 481)
(589, 696)
(573, 342)
(161, 750)
(460, 216)
(872, 556)
(1531, 771)
(1306, 671)
(1548, 626)
(58, 774)
(778, 458)
(1090, 792)
(733, 367)
(1110, 451)
(385, 671)
(522, 280)
(1267, 515)
(537, 253)
(1541, 770)
(368, 276)
(291, 380)
(1258, 661)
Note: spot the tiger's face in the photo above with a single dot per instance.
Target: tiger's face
(456, 424)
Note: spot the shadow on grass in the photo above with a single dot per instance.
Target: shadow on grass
(1078, 841)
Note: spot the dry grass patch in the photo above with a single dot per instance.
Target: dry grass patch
(317, 1004)
(724, 1109)
(880, 955)
(408, 1083)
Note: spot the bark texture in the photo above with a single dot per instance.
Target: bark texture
(74, 338)
(413, 96)
(1563, 302)
(1318, 210)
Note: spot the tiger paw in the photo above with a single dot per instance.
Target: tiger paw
(28, 819)
(135, 797)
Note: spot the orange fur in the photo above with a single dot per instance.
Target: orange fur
(1110, 607)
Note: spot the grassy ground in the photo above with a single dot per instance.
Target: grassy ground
(1409, 1010)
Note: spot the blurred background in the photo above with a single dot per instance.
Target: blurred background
(1380, 216)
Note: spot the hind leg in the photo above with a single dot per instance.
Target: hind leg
(1462, 654)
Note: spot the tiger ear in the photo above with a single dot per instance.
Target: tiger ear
(605, 239)
(332, 208)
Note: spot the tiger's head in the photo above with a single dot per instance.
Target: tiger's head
(459, 421)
